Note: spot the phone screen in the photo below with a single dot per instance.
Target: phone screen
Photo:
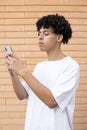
(8, 49)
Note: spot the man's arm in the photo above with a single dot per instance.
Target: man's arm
(18, 88)
(39, 89)
(20, 68)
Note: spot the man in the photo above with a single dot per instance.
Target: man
(51, 88)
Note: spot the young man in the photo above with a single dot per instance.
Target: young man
(51, 88)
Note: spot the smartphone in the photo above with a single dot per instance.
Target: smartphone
(8, 49)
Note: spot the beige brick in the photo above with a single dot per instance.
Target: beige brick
(74, 47)
(9, 94)
(2, 34)
(17, 8)
(17, 41)
(80, 126)
(43, 8)
(85, 8)
(15, 127)
(11, 121)
(83, 67)
(19, 48)
(80, 34)
(24, 48)
(30, 28)
(34, 61)
(56, 8)
(75, 2)
(83, 73)
(32, 47)
(2, 8)
(12, 15)
(82, 87)
(10, 114)
(78, 21)
(5, 81)
(20, 21)
(81, 60)
(12, 2)
(83, 81)
(3, 68)
(80, 113)
(13, 101)
(81, 107)
(11, 41)
(15, 121)
(76, 54)
(35, 54)
(4, 75)
(75, 15)
(82, 120)
(66, 14)
(20, 34)
(31, 40)
(82, 94)
(73, 8)
(1, 61)
(82, 101)
(43, 2)
(6, 88)
(12, 28)
(78, 41)
(12, 108)
(2, 101)
(79, 28)
(2, 21)
(2, 127)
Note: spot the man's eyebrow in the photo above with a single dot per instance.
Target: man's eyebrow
(44, 31)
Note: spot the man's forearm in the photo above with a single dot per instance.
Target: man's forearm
(18, 88)
(39, 89)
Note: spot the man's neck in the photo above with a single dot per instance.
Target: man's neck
(56, 56)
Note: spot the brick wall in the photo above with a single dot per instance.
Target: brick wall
(17, 28)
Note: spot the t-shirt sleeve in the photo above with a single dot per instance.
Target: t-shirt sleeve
(26, 86)
(65, 87)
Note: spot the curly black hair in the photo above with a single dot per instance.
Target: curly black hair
(59, 25)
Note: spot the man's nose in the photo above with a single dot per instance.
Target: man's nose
(41, 36)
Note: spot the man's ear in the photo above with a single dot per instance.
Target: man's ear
(59, 38)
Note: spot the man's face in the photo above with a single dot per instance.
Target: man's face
(47, 39)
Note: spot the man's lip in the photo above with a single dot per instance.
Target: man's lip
(40, 43)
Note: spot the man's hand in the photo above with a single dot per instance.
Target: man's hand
(16, 64)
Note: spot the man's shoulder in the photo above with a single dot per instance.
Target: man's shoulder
(72, 61)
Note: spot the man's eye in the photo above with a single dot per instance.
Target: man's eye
(46, 34)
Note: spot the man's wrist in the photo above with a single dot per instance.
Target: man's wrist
(23, 72)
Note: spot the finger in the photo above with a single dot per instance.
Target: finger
(7, 62)
(10, 58)
(7, 55)
(7, 65)
(10, 54)
(11, 67)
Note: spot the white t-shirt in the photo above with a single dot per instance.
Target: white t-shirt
(62, 78)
